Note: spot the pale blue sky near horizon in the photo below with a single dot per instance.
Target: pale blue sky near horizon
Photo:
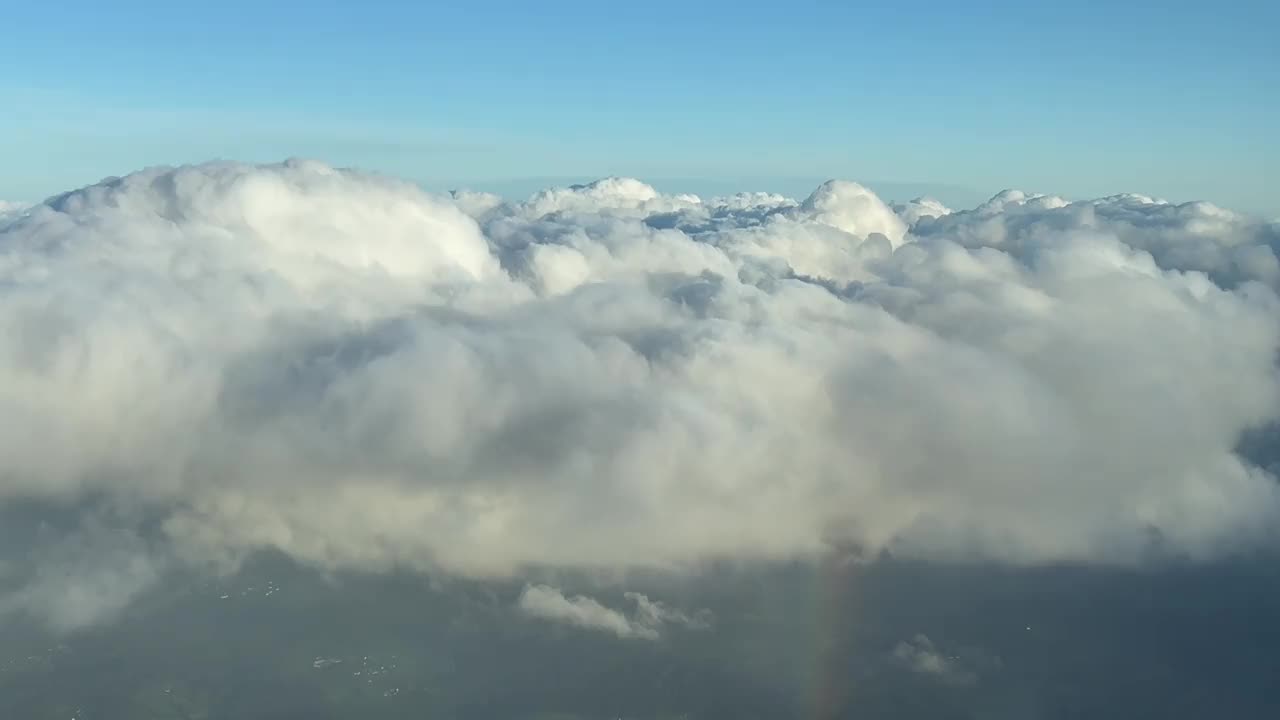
(957, 99)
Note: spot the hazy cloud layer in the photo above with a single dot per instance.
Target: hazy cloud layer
(362, 375)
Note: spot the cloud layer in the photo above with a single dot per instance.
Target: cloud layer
(361, 375)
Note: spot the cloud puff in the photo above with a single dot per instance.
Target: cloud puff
(916, 210)
(919, 655)
(361, 375)
(854, 209)
(548, 603)
(608, 194)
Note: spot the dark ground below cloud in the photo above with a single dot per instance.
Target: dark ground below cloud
(788, 642)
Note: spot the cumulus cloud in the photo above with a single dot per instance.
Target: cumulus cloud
(1230, 248)
(854, 209)
(359, 374)
(549, 603)
(919, 655)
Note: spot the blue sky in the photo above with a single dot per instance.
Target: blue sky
(1175, 99)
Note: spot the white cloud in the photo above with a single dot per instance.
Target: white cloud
(359, 374)
(651, 613)
(854, 209)
(613, 194)
(548, 603)
(916, 210)
(10, 210)
(1196, 236)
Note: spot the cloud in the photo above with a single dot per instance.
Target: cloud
(10, 210)
(919, 655)
(83, 579)
(1192, 237)
(548, 603)
(916, 210)
(853, 209)
(361, 375)
(651, 613)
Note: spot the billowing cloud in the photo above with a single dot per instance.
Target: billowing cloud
(916, 210)
(358, 374)
(646, 623)
(853, 209)
(1192, 237)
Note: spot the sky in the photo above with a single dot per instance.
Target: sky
(959, 100)
(302, 436)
